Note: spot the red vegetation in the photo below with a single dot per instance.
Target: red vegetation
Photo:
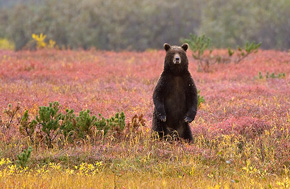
(243, 126)
(106, 82)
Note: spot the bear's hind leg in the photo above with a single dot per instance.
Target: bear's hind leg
(159, 128)
(187, 135)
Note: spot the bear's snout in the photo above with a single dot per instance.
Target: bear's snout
(176, 59)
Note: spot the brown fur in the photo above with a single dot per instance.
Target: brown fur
(175, 96)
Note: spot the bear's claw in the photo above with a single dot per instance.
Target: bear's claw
(162, 118)
(188, 119)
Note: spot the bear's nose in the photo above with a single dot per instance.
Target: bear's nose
(176, 59)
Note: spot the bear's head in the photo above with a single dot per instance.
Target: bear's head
(176, 60)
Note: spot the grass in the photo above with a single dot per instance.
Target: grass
(241, 132)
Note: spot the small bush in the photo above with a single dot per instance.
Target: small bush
(117, 122)
(27, 128)
(248, 49)
(135, 126)
(23, 158)
(50, 124)
(49, 119)
(200, 99)
(11, 115)
(272, 75)
(199, 44)
(83, 123)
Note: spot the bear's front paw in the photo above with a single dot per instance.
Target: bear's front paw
(188, 119)
(162, 118)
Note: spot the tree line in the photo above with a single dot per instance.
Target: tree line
(142, 24)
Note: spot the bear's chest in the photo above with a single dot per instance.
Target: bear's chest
(175, 97)
(176, 86)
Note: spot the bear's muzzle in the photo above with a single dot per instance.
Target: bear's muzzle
(176, 59)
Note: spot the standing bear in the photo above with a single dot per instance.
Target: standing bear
(175, 96)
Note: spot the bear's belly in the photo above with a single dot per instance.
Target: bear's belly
(175, 103)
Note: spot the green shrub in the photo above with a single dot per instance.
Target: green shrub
(200, 98)
(230, 52)
(247, 50)
(272, 75)
(198, 44)
(68, 125)
(78, 127)
(260, 75)
(102, 125)
(50, 124)
(114, 124)
(27, 127)
(117, 122)
(23, 158)
(49, 119)
(84, 123)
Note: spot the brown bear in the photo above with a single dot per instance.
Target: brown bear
(175, 96)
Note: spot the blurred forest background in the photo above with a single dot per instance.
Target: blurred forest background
(142, 24)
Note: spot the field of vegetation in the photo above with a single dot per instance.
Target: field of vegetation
(48, 139)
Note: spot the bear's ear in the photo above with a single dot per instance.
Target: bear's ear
(166, 46)
(184, 46)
